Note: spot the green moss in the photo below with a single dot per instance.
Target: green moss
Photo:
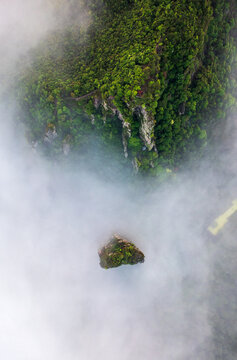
(119, 252)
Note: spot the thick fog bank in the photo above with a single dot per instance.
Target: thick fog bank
(57, 302)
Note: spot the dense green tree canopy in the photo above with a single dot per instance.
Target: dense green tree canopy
(149, 78)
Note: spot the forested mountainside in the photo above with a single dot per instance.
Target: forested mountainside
(148, 79)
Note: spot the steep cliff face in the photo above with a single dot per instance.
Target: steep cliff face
(149, 79)
(147, 125)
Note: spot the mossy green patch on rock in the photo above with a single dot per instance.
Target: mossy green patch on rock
(119, 251)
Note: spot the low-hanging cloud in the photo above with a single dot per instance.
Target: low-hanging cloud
(25, 23)
(56, 302)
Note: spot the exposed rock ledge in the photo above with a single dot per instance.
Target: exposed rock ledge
(147, 127)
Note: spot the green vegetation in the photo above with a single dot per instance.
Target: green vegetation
(150, 79)
(119, 252)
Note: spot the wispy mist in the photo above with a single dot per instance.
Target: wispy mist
(55, 294)
(25, 23)
(56, 302)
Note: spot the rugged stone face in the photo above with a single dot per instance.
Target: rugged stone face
(50, 134)
(109, 105)
(147, 128)
(119, 251)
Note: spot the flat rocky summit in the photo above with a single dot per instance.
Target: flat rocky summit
(119, 251)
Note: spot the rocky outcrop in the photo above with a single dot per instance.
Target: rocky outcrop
(119, 251)
(146, 127)
(147, 120)
(50, 134)
(126, 134)
(136, 165)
